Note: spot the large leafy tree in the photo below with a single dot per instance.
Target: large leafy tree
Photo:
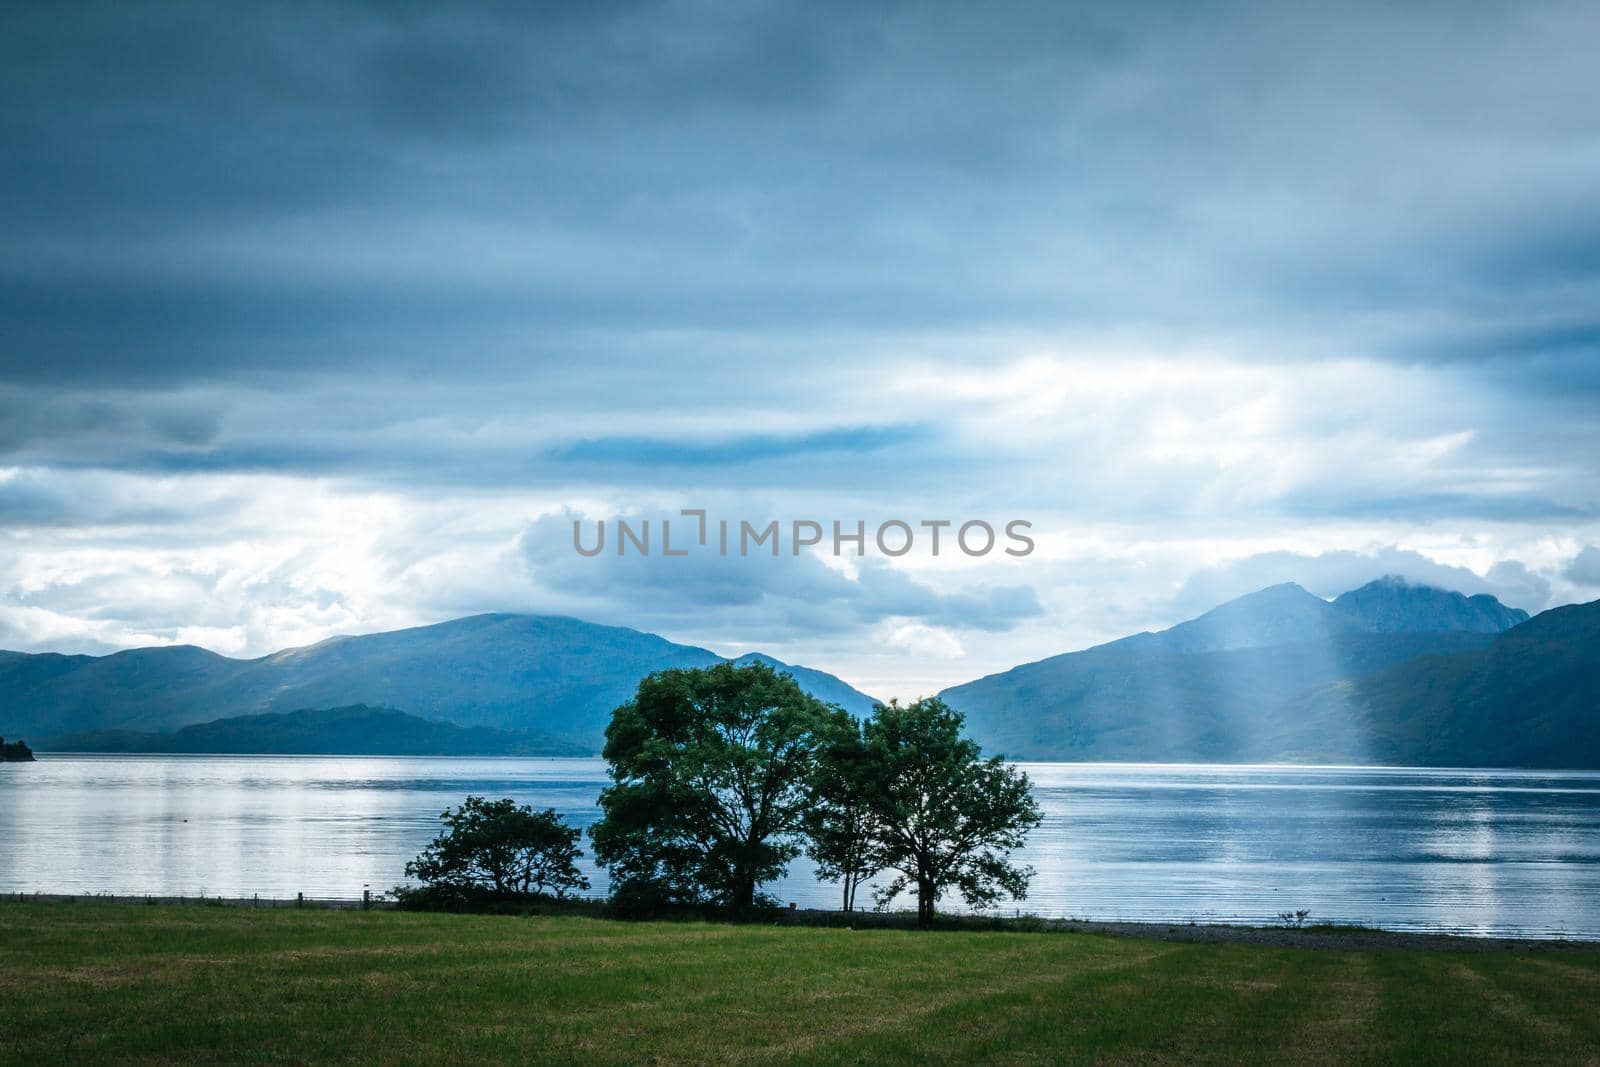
(841, 830)
(499, 848)
(710, 770)
(946, 819)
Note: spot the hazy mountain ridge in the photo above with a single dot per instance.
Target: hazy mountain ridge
(1132, 703)
(1390, 672)
(358, 730)
(1234, 683)
(552, 675)
(1278, 615)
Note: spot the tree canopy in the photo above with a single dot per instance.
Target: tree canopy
(498, 848)
(841, 828)
(711, 771)
(944, 817)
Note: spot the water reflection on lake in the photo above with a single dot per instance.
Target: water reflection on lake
(1489, 852)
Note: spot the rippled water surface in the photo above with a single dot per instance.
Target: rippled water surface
(1488, 852)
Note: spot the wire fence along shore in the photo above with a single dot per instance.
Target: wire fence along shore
(367, 900)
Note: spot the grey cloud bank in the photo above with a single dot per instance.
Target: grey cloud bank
(291, 189)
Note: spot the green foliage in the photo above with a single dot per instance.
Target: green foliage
(841, 830)
(15, 752)
(496, 849)
(710, 770)
(946, 819)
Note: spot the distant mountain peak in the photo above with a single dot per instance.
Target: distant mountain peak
(1279, 614)
(1287, 614)
(1393, 604)
(1280, 589)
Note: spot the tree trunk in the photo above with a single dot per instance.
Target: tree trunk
(924, 902)
(744, 894)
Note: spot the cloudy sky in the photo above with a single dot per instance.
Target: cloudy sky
(330, 318)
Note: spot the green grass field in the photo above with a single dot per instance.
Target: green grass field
(103, 982)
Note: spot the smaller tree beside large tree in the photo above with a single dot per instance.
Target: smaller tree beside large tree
(945, 817)
(497, 849)
(841, 830)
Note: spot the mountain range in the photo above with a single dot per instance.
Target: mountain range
(539, 675)
(1388, 673)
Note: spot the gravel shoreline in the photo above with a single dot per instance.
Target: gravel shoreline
(1327, 937)
(1309, 937)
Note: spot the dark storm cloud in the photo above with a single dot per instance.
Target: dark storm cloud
(407, 457)
(31, 500)
(596, 209)
(1033, 157)
(94, 428)
(746, 448)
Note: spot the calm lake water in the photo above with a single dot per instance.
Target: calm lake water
(1483, 852)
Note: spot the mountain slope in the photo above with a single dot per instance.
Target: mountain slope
(1215, 687)
(1278, 615)
(548, 674)
(825, 687)
(137, 687)
(1529, 699)
(351, 731)
(1146, 703)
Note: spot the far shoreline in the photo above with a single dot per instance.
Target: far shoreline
(1166, 764)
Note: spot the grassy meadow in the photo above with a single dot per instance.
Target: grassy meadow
(98, 982)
